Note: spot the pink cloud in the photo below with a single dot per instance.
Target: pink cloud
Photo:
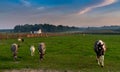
(104, 3)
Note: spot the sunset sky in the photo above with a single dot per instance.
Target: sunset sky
(80, 13)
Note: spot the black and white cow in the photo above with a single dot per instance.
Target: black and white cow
(42, 49)
(14, 49)
(100, 49)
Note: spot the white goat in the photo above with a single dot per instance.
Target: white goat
(32, 50)
(42, 49)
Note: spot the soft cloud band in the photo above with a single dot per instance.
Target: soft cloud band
(25, 3)
(104, 3)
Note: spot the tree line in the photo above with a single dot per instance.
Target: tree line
(44, 28)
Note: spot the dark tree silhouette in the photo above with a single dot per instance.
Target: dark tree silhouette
(43, 27)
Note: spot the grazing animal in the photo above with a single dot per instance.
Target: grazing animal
(100, 49)
(42, 49)
(14, 49)
(32, 50)
(20, 40)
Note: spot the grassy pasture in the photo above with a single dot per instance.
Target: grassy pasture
(72, 52)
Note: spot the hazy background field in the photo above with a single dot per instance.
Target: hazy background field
(64, 53)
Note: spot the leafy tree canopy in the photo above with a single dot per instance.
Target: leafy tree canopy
(43, 27)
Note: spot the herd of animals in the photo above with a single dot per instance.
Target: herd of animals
(41, 49)
(99, 48)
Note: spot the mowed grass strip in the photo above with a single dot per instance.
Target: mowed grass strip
(72, 52)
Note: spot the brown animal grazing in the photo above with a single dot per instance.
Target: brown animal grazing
(14, 49)
(100, 49)
(41, 49)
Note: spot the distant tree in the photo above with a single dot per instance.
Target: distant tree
(17, 28)
(43, 27)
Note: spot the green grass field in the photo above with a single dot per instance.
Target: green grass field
(72, 52)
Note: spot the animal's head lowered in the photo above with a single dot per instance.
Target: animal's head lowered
(100, 46)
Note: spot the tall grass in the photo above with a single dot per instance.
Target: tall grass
(73, 52)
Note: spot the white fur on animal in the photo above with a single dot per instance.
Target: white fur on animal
(32, 50)
(20, 40)
(100, 49)
(41, 49)
(14, 49)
